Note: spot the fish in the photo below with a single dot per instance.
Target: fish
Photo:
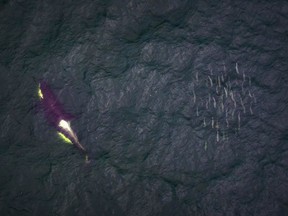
(57, 116)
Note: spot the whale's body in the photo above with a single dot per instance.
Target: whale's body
(56, 115)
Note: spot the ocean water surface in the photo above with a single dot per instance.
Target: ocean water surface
(181, 105)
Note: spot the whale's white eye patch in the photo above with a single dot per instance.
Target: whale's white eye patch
(63, 137)
(40, 92)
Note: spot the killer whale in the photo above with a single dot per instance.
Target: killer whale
(57, 117)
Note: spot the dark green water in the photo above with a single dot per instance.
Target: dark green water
(182, 106)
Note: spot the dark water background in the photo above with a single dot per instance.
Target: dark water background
(182, 106)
